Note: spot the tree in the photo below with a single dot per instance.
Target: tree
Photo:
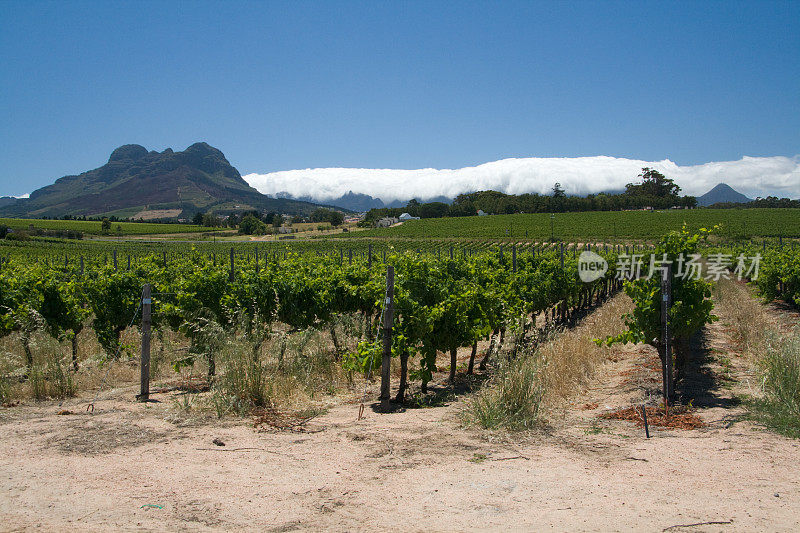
(197, 219)
(433, 210)
(105, 225)
(335, 218)
(319, 215)
(412, 207)
(559, 198)
(653, 184)
(210, 221)
(250, 225)
(3, 231)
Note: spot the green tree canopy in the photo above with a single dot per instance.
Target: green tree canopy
(653, 183)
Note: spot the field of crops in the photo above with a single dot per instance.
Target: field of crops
(778, 275)
(601, 225)
(61, 252)
(440, 303)
(95, 228)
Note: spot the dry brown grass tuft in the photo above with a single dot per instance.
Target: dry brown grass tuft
(572, 357)
(523, 388)
(774, 355)
(747, 319)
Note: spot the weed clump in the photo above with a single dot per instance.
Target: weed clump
(512, 399)
(779, 407)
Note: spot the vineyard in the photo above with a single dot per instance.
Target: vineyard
(601, 225)
(266, 358)
(91, 227)
(53, 251)
(449, 294)
(442, 301)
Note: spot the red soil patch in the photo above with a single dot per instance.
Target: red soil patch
(679, 417)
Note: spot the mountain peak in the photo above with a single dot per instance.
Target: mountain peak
(136, 181)
(128, 151)
(722, 187)
(722, 193)
(203, 148)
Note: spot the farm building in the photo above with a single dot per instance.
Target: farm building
(385, 222)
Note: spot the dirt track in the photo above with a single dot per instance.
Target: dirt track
(413, 470)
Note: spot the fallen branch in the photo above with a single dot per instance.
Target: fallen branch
(244, 450)
(510, 458)
(698, 524)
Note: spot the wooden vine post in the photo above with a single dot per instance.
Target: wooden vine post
(666, 341)
(144, 391)
(388, 317)
(514, 257)
(231, 275)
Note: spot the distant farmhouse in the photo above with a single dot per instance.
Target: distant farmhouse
(406, 216)
(385, 222)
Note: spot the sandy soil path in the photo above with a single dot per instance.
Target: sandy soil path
(132, 467)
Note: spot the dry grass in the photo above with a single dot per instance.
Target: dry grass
(524, 388)
(572, 357)
(774, 356)
(292, 371)
(747, 318)
(52, 375)
(288, 373)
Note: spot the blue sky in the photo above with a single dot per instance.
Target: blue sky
(281, 86)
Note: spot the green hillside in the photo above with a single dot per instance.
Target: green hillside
(94, 227)
(736, 223)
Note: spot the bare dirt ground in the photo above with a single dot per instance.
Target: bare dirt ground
(135, 467)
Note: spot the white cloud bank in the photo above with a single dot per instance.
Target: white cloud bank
(752, 176)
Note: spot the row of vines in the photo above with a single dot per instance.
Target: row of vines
(441, 304)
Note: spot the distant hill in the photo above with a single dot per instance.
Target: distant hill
(442, 199)
(7, 200)
(722, 193)
(352, 201)
(134, 182)
(362, 202)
